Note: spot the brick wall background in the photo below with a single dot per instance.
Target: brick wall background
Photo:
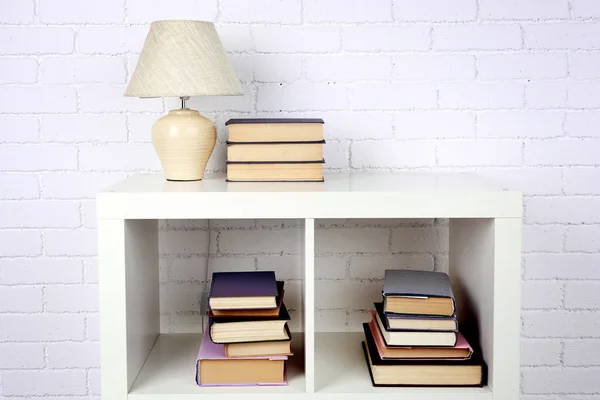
(509, 89)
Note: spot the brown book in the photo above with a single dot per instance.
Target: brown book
(242, 330)
(415, 338)
(275, 172)
(258, 349)
(275, 130)
(252, 313)
(301, 151)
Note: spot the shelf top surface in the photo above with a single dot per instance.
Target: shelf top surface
(342, 195)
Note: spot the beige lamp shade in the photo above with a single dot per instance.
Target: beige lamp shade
(183, 58)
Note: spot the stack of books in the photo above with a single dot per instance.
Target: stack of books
(275, 150)
(413, 337)
(247, 340)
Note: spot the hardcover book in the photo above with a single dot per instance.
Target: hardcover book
(252, 313)
(414, 338)
(404, 322)
(469, 372)
(213, 368)
(418, 292)
(275, 130)
(275, 151)
(243, 290)
(275, 171)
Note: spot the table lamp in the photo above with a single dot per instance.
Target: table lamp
(183, 59)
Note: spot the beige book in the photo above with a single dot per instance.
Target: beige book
(275, 130)
(257, 349)
(232, 371)
(275, 152)
(297, 172)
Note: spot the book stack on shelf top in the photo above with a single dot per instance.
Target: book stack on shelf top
(413, 337)
(275, 150)
(247, 340)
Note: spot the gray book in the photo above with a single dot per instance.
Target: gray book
(418, 292)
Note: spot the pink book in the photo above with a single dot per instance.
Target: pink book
(213, 351)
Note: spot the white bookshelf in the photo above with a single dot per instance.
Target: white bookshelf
(138, 362)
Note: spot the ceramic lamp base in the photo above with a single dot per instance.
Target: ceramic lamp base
(184, 141)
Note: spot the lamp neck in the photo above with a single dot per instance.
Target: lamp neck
(184, 100)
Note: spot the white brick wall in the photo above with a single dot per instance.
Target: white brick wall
(509, 89)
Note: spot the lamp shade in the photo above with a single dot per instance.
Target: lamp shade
(183, 58)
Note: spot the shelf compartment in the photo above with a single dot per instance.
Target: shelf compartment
(341, 369)
(168, 373)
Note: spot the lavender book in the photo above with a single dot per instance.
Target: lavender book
(243, 290)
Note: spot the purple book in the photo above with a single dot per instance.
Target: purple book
(213, 351)
(244, 284)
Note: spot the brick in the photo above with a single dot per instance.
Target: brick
(435, 10)
(236, 37)
(420, 239)
(34, 99)
(39, 270)
(140, 127)
(70, 70)
(348, 11)
(219, 104)
(356, 318)
(566, 210)
(583, 95)
(92, 326)
(476, 37)
(562, 36)
(179, 297)
(285, 267)
(530, 9)
(474, 95)
(269, 11)
(18, 187)
(79, 185)
(81, 11)
(90, 270)
(276, 67)
(88, 214)
(392, 96)
(540, 294)
(23, 299)
(434, 67)
(330, 267)
(386, 38)
(273, 39)
(187, 242)
(336, 154)
(373, 267)
(240, 63)
(266, 241)
(16, 12)
(21, 356)
(569, 152)
(546, 94)
(98, 99)
(343, 125)
(114, 157)
(334, 294)
(543, 238)
(583, 124)
(562, 266)
(301, 96)
(56, 327)
(36, 40)
(392, 154)
(567, 324)
(560, 380)
(540, 352)
(483, 152)
(530, 181)
(84, 128)
(74, 355)
(18, 70)
(46, 383)
(19, 129)
(71, 242)
(513, 124)
(585, 9)
(330, 320)
(584, 238)
(111, 39)
(357, 240)
(60, 298)
(94, 379)
(582, 180)
(39, 214)
(582, 352)
(521, 66)
(582, 295)
(20, 243)
(584, 65)
(348, 68)
(143, 11)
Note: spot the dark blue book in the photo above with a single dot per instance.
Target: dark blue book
(243, 290)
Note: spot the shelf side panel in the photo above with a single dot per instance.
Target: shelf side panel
(309, 303)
